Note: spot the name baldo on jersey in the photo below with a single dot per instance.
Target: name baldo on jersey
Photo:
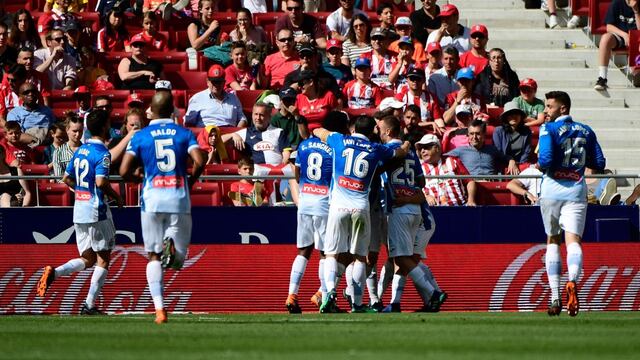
(163, 132)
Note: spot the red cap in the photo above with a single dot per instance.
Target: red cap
(528, 82)
(138, 38)
(448, 10)
(82, 90)
(216, 72)
(134, 97)
(479, 28)
(433, 46)
(334, 43)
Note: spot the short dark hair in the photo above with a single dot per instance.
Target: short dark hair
(452, 51)
(97, 120)
(238, 44)
(298, 1)
(13, 126)
(245, 161)
(336, 121)
(102, 97)
(561, 97)
(365, 125)
(479, 123)
(18, 70)
(71, 117)
(414, 109)
(382, 6)
(393, 123)
(59, 125)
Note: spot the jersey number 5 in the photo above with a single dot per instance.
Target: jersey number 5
(574, 152)
(165, 156)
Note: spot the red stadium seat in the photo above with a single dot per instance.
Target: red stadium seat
(205, 194)
(62, 99)
(496, 193)
(402, 7)
(132, 194)
(494, 113)
(580, 7)
(54, 194)
(225, 185)
(248, 99)
(187, 80)
(34, 169)
(597, 12)
(90, 19)
(181, 40)
(175, 24)
(634, 44)
(266, 20)
(488, 138)
(59, 112)
(358, 112)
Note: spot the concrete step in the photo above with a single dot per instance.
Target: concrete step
(572, 35)
(493, 23)
(553, 63)
(622, 157)
(464, 5)
(607, 118)
(578, 102)
(550, 54)
(629, 95)
(562, 78)
(617, 138)
(511, 44)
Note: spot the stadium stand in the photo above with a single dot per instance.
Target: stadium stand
(205, 194)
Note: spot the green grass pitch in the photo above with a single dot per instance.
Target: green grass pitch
(595, 335)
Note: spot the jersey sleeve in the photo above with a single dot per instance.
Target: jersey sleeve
(386, 152)
(333, 139)
(595, 156)
(70, 170)
(545, 148)
(103, 165)
(133, 147)
(191, 141)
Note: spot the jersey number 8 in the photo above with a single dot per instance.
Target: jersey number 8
(314, 166)
(165, 155)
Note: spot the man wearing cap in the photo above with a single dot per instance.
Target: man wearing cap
(362, 93)
(164, 85)
(338, 21)
(72, 45)
(529, 103)
(458, 136)
(404, 63)
(134, 100)
(513, 138)
(443, 81)
(334, 66)
(390, 106)
(425, 20)
(381, 60)
(404, 27)
(434, 60)
(288, 118)
(478, 58)
(305, 28)
(82, 95)
(281, 63)
(450, 33)
(309, 61)
(464, 95)
(443, 192)
(213, 105)
(52, 60)
(58, 18)
(430, 111)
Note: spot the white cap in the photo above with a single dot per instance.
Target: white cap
(390, 102)
(163, 85)
(429, 139)
(464, 109)
(273, 100)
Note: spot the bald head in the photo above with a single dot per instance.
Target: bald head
(162, 105)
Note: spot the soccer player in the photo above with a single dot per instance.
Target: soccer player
(88, 174)
(162, 149)
(313, 172)
(348, 225)
(566, 148)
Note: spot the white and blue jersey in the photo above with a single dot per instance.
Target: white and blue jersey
(315, 160)
(162, 148)
(355, 160)
(401, 181)
(90, 161)
(566, 148)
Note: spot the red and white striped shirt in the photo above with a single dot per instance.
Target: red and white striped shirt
(380, 69)
(362, 96)
(429, 109)
(448, 192)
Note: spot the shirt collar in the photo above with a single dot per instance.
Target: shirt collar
(395, 141)
(358, 135)
(96, 141)
(160, 121)
(564, 118)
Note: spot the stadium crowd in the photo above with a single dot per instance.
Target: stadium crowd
(252, 84)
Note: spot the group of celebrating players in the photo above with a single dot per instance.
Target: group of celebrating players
(360, 188)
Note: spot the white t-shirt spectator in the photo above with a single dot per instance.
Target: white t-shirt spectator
(255, 6)
(60, 70)
(532, 185)
(460, 41)
(338, 23)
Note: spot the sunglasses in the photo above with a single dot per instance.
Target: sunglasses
(137, 45)
(217, 81)
(102, 107)
(286, 40)
(60, 39)
(357, 26)
(27, 92)
(294, 8)
(477, 36)
(377, 38)
(306, 55)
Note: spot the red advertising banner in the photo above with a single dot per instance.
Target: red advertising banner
(255, 278)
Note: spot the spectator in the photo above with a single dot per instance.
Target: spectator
(390, 106)
(34, 119)
(451, 33)
(334, 66)
(164, 85)
(426, 20)
(258, 6)
(478, 58)
(102, 102)
(23, 32)
(362, 93)
(243, 192)
(82, 95)
(622, 17)
(17, 152)
(288, 118)
(404, 63)
(114, 35)
(204, 32)
(63, 154)
(442, 82)
(498, 84)
(464, 95)
(73, 5)
(550, 6)
(58, 135)
(309, 61)
(213, 105)
(313, 102)
(274, 148)
(429, 112)
(385, 17)
(133, 121)
(15, 76)
(529, 103)
(246, 31)
(156, 41)
(52, 60)
(210, 142)
(239, 75)
(57, 18)
(8, 54)
(528, 188)
(40, 80)
(381, 60)
(404, 27)
(411, 122)
(513, 137)
(459, 135)
(443, 192)
(281, 63)
(305, 28)
(358, 39)
(434, 60)
(10, 189)
(478, 158)
(340, 21)
(134, 101)
(89, 73)
(73, 41)
(139, 71)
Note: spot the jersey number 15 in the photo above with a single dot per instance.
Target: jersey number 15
(574, 152)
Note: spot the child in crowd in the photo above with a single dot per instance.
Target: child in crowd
(17, 152)
(362, 93)
(155, 40)
(244, 192)
(211, 144)
(334, 65)
(58, 134)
